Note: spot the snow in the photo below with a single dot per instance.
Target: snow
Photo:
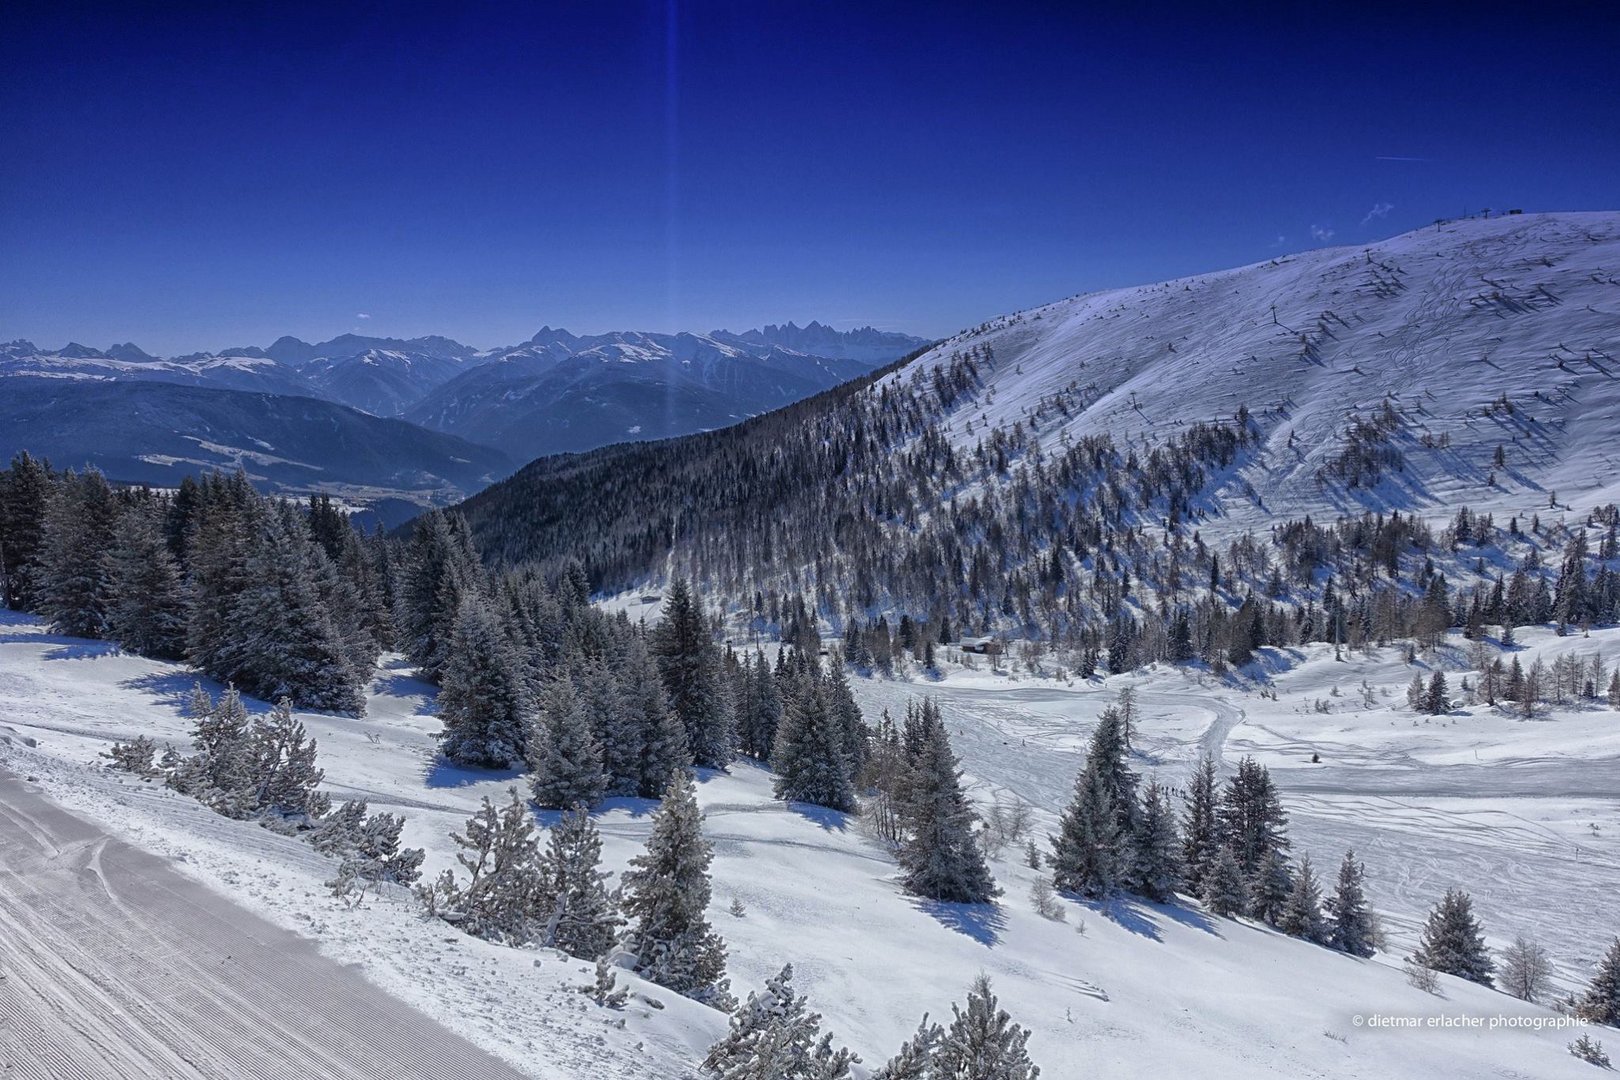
(1143, 991)
(1442, 320)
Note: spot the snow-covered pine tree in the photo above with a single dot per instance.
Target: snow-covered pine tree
(286, 782)
(1087, 855)
(664, 752)
(74, 578)
(484, 702)
(584, 919)
(1224, 892)
(25, 491)
(1352, 929)
(982, 1042)
(150, 601)
(367, 848)
(618, 728)
(1600, 1004)
(1200, 843)
(1525, 969)
(915, 1059)
(847, 717)
(690, 664)
(940, 858)
(437, 560)
(1452, 941)
(1302, 911)
(666, 898)
(761, 709)
(564, 755)
(1269, 888)
(503, 898)
(774, 1036)
(220, 773)
(1251, 819)
(810, 756)
(1154, 871)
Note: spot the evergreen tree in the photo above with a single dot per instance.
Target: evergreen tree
(286, 783)
(563, 751)
(438, 562)
(584, 918)
(618, 728)
(694, 677)
(484, 702)
(774, 1036)
(1086, 853)
(1224, 892)
(915, 1059)
(74, 577)
(1302, 911)
(149, 607)
(939, 855)
(1201, 844)
(1251, 819)
(1452, 941)
(503, 899)
(1269, 889)
(1352, 930)
(982, 1042)
(1436, 700)
(810, 755)
(664, 751)
(25, 492)
(1155, 871)
(1601, 1002)
(666, 898)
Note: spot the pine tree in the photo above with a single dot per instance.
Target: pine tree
(694, 677)
(1224, 892)
(982, 1042)
(1200, 845)
(666, 898)
(664, 752)
(759, 708)
(1251, 819)
(915, 1059)
(1269, 889)
(438, 561)
(1155, 868)
(810, 755)
(1525, 969)
(1601, 1002)
(616, 725)
(939, 856)
(774, 1036)
(584, 918)
(503, 899)
(150, 603)
(1452, 942)
(1436, 700)
(286, 782)
(220, 773)
(484, 702)
(1302, 911)
(25, 492)
(1086, 856)
(563, 751)
(1352, 930)
(74, 578)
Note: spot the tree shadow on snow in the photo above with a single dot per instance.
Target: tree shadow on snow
(981, 922)
(828, 819)
(1138, 916)
(444, 773)
(404, 684)
(172, 688)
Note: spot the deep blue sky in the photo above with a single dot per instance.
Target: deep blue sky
(195, 176)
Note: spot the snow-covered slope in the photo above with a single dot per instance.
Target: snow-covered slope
(1441, 322)
(1124, 991)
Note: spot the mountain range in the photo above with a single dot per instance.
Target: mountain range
(457, 417)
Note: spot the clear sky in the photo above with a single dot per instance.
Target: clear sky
(191, 176)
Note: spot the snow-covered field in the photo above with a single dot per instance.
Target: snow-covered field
(1123, 990)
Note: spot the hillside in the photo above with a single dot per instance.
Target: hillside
(156, 433)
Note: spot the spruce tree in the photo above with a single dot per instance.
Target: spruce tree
(563, 751)
(1452, 941)
(774, 1036)
(584, 918)
(286, 782)
(1352, 929)
(617, 726)
(150, 603)
(694, 677)
(1601, 1002)
(915, 1059)
(1086, 853)
(939, 856)
(760, 708)
(1251, 819)
(666, 899)
(1269, 888)
(484, 702)
(1201, 844)
(1224, 892)
(1302, 911)
(25, 492)
(1155, 866)
(664, 751)
(811, 756)
(74, 578)
(982, 1042)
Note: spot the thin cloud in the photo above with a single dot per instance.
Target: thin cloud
(1397, 157)
(1321, 233)
(362, 315)
(1379, 210)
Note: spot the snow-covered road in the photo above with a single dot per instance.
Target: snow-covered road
(112, 964)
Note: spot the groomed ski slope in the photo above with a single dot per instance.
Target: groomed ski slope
(1142, 992)
(1442, 321)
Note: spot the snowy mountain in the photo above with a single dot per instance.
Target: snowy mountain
(154, 432)
(561, 393)
(865, 343)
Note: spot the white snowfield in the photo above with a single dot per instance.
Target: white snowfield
(1123, 990)
(1443, 320)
